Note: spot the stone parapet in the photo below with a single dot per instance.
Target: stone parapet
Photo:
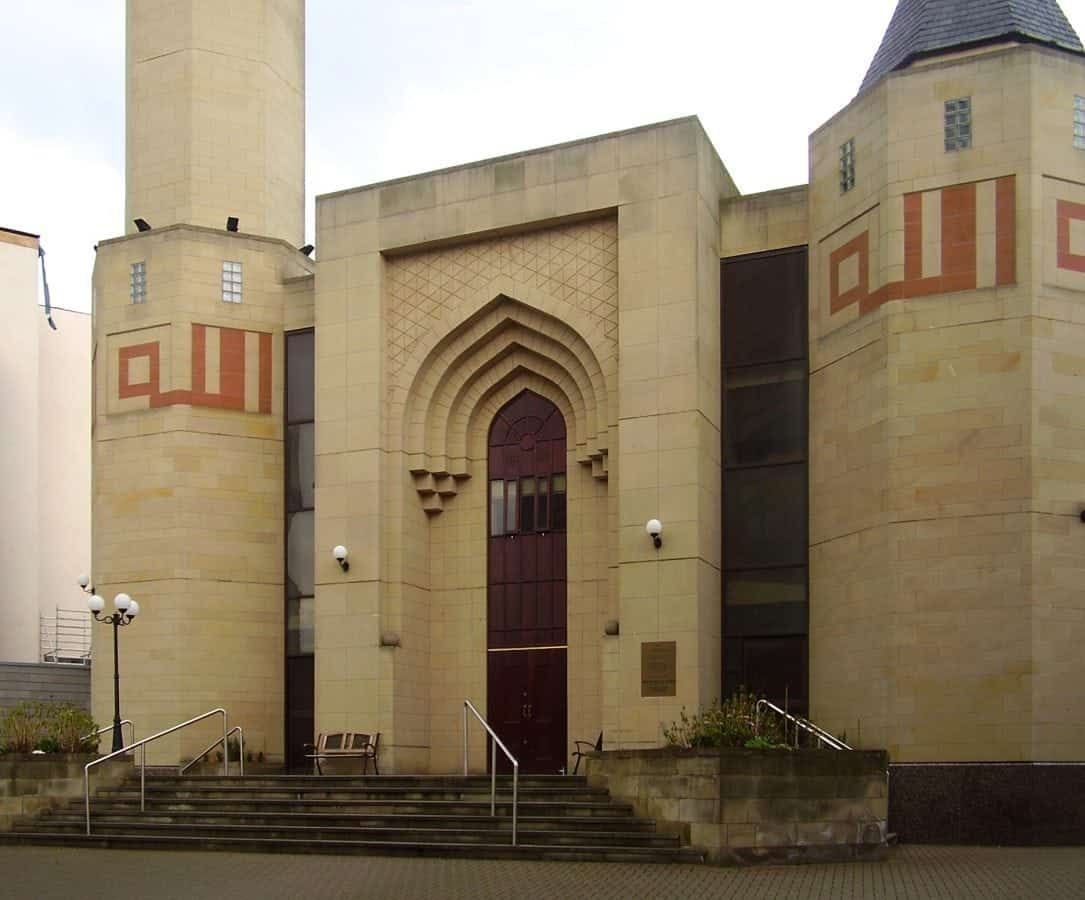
(753, 806)
(30, 785)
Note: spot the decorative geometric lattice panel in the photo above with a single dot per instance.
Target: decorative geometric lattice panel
(576, 263)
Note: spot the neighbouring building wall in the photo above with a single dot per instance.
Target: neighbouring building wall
(19, 449)
(45, 417)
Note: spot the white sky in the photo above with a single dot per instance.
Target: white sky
(395, 89)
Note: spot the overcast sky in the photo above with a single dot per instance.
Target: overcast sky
(396, 89)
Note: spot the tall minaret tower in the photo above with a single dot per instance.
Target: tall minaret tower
(216, 114)
(189, 312)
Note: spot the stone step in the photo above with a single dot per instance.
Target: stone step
(615, 824)
(504, 782)
(542, 837)
(494, 850)
(363, 807)
(230, 792)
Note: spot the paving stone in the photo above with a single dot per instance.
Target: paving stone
(914, 872)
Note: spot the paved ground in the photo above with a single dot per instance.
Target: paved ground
(959, 873)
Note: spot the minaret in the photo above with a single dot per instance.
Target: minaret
(188, 367)
(216, 114)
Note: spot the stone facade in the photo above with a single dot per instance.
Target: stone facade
(944, 442)
(942, 460)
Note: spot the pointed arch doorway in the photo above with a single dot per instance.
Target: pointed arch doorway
(526, 584)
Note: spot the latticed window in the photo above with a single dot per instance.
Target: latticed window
(847, 166)
(1079, 122)
(958, 122)
(231, 282)
(137, 282)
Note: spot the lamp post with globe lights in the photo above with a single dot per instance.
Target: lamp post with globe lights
(127, 610)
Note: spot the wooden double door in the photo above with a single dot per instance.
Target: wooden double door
(526, 584)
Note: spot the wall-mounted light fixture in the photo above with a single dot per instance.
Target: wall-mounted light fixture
(611, 629)
(655, 528)
(340, 554)
(85, 585)
(307, 249)
(141, 224)
(232, 223)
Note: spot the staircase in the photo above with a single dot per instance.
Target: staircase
(560, 818)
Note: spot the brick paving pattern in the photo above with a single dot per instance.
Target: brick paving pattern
(960, 873)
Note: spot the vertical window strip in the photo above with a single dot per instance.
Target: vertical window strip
(847, 165)
(137, 282)
(1079, 122)
(231, 282)
(958, 124)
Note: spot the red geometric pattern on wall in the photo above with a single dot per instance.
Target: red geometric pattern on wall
(958, 262)
(232, 375)
(1067, 212)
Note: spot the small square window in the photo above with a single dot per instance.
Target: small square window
(1079, 122)
(958, 124)
(231, 282)
(137, 282)
(847, 166)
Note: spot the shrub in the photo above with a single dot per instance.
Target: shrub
(732, 723)
(22, 726)
(52, 727)
(70, 725)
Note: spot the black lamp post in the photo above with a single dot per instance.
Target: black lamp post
(127, 610)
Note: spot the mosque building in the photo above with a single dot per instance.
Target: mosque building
(852, 412)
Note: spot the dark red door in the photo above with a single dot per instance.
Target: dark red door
(526, 601)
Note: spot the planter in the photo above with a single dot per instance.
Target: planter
(32, 783)
(757, 806)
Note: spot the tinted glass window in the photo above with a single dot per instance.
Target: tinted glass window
(300, 465)
(299, 552)
(765, 410)
(764, 309)
(299, 377)
(765, 517)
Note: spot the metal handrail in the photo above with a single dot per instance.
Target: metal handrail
(142, 744)
(806, 725)
(468, 705)
(217, 741)
(102, 731)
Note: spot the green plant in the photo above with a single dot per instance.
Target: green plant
(70, 725)
(22, 726)
(50, 727)
(732, 723)
(760, 742)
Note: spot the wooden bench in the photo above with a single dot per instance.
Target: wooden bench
(344, 745)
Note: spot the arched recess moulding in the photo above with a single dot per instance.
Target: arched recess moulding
(504, 347)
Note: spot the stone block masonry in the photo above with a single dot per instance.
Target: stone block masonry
(757, 806)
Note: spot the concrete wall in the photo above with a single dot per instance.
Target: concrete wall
(44, 681)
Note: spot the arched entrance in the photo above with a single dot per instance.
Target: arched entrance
(526, 584)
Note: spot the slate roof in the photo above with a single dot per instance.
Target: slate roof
(922, 27)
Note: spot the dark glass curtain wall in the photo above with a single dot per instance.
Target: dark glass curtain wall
(765, 530)
(300, 478)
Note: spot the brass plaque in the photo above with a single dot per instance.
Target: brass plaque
(658, 677)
